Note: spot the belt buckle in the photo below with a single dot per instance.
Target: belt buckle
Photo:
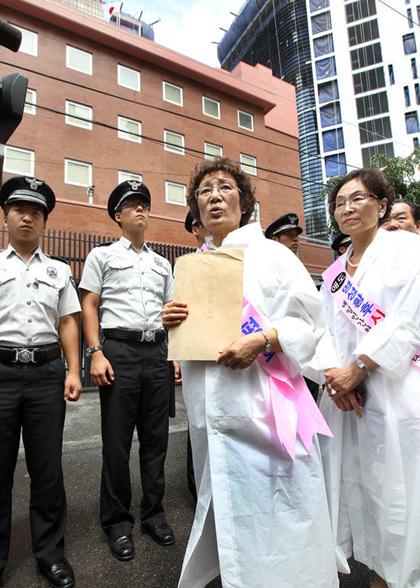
(25, 355)
(148, 336)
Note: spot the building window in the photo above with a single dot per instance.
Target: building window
(323, 45)
(418, 15)
(410, 18)
(412, 122)
(245, 120)
(123, 176)
(366, 56)
(315, 5)
(321, 23)
(29, 43)
(175, 193)
(325, 68)
(78, 115)
(328, 92)
(414, 68)
(172, 94)
(19, 161)
(417, 92)
(174, 142)
(30, 102)
(330, 114)
(409, 43)
(364, 32)
(407, 96)
(391, 75)
(333, 140)
(415, 142)
(361, 9)
(369, 80)
(378, 129)
(128, 78)
(256, 214)
(335, 165)
(79, 60)
(248, 164)
(128, 129)
(77, 173)
(211, 107)
(368, 152)
(372, 104)
(211, 151)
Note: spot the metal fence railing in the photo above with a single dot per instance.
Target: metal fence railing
(74, 248)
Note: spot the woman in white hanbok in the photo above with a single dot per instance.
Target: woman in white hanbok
(372, 465)
(262, 518)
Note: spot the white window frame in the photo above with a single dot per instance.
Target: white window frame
(125, 134)
(178, 150)
(123, 176)
(68, 162)
(75, 122)
(210, 156)
(121, 69)
(69, 50)
(167, 184)
(28, 38)
(246, 114)
(12, 170)
(206, 98)
(247, 167)
(168, 84)
(30, 102)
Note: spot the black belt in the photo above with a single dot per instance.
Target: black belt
(139, 336)
(30, 354)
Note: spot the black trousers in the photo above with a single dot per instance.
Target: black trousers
(138, 398)
(31, 401)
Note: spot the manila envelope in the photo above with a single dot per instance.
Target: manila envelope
(211, 283)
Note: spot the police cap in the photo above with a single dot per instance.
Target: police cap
(127, 189)
(27, 189)
(282, 224)
(340, 240)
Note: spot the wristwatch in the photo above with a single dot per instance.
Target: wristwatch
(91, 350)
(267, 347)
(361, 365)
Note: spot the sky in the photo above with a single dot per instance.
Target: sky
(188, 26)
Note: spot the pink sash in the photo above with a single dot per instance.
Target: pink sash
(295, 411)
(361, 311)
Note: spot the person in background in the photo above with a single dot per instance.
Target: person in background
(372, 465)
(404, 216)
(341, 243)
(286, 230)
(38, 317)
(195, 227)
(261, 518)
(130, 284)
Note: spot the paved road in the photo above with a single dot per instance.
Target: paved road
(86, 546)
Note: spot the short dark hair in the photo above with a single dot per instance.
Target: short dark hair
(6, 208)
(415, 208)
(374, 180)
(206, 166)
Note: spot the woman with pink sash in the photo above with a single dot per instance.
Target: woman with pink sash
(372, 465)
(262, 516)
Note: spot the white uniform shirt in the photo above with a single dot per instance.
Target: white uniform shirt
(33, 297)
(133, 285)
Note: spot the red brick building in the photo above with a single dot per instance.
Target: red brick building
(109, 104)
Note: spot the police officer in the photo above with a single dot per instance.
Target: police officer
(38, 317)
(341, 243)
(130, 283)
(286, 230)
(197, 228)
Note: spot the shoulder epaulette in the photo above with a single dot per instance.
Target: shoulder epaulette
(57, 258)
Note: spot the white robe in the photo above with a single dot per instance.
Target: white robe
(261, 519)
(372, 466)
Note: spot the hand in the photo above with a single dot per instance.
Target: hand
(72, 387)
(173, 314)
(243, 352)
(100, 368)
(341, 381)
(348, 402)
(177, 373)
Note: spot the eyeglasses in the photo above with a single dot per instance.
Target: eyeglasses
(224, 188)
(133, 204)
(354, 200)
